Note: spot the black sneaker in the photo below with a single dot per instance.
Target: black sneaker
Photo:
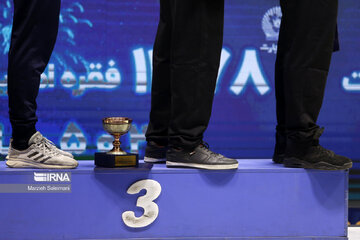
(311, 155)
(155, 153)
(280, 147)
(318, 157)
(202, 157)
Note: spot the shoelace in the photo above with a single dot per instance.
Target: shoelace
(206, 147)
(51, 145)
(48, 141)
(46, 147)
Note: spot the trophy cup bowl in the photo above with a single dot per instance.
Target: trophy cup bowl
(117, 126)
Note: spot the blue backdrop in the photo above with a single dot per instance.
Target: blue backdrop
(101, 66)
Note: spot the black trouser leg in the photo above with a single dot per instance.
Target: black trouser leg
(285, 32)
(196, 49)
(306, 43)
(33, 37)
(196, 42)
(160, 91)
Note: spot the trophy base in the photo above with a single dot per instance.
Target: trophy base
(113, 161)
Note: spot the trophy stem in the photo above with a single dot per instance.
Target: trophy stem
(117, 149)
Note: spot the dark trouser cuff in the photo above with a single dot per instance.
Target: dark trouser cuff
(21, 136)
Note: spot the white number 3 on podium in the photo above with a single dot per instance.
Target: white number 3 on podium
(151, 209)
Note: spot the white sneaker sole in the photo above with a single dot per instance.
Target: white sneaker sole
(30, 164)
(202, 166)
(154, 160)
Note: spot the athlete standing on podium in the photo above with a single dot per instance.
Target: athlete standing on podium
(186, 59)
(34, 32)
(306, 42)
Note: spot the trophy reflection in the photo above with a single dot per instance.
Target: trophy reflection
(117, 127)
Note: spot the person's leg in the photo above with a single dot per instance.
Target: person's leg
(34, 32)
(157, 132)
(306, 60)
(33, 37)
(197, 36)
(286, 31)
(160, 92)
(196, 43)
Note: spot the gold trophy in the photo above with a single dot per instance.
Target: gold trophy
(116, 126)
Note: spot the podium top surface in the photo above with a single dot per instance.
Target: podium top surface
(245, 165)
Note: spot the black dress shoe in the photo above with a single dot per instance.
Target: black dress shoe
(155, 153)
(201, 157)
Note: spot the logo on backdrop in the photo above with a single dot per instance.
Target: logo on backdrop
(352, 83)
(52, 177)
(271, 26)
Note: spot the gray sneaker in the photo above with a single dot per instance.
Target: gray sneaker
(51, 144)
(202, 157)
(40, 154)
